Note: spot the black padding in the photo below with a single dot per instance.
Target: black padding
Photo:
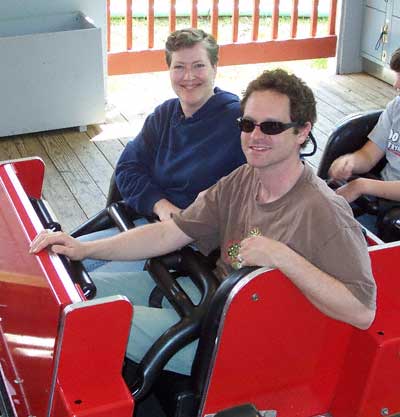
(180, 395)
(348, 136)
(99, 221)
(79, 276)
(76, 270)
(119, 214)
(388, 224)
(113, 192)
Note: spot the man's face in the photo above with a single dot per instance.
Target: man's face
(263, 150)
(192, 77)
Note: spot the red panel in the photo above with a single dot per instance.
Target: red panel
(30, 173)
(277, 352)
(90, 357)
(34, 290)
(20, 216)
(372, 369)
(28, 309)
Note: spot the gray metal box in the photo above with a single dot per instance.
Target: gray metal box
(51, 73)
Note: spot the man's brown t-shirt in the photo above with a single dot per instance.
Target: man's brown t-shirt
(311, 219)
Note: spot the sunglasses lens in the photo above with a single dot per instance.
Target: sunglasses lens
(268, 128)
(246, 125)
(272, 128)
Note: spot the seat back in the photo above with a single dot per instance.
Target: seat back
(369, 382)
(274, 349)
(348, 136)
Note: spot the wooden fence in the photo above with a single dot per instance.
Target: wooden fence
(273, 46)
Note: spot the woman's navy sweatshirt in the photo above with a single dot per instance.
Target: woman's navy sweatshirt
(174, 157)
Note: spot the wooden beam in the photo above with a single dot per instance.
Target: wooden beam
(128, 15)
(230, 54)
(294, 18)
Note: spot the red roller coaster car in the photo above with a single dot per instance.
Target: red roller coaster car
(260, 341)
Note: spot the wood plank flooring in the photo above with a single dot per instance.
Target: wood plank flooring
(79, 165)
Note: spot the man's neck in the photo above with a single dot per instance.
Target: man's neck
(275, 182)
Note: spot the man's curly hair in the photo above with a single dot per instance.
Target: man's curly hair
(301, 97)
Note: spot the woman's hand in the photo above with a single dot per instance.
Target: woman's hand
(164, 209)
(60, 243)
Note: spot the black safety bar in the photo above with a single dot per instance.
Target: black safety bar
(76, 270)
(188, 328)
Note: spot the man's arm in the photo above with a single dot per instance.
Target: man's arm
(138, 243)
(358, 162)
(384, 189)
(325, 292)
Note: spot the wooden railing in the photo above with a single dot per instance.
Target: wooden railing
(145, 57)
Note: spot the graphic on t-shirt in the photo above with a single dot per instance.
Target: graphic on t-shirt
(234, 248)
(393, 145)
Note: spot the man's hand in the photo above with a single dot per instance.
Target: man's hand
(60, 243)
(164, 209)
(342, 167)
(261, 251)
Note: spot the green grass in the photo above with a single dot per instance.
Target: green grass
(161, 31)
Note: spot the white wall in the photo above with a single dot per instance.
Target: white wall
(96, 9)
(349, 36)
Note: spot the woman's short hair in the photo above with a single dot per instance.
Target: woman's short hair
(187, 38)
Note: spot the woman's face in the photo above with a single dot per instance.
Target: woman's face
(192, 77)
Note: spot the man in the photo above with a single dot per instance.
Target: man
(383, 141)
(272, 211)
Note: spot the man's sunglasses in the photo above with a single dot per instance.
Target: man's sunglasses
(268, 128)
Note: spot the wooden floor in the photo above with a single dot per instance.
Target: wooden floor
(79, 165)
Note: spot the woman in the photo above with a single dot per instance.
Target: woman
(186, 144)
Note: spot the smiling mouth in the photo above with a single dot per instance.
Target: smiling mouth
(190, 87)
(260, 148)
